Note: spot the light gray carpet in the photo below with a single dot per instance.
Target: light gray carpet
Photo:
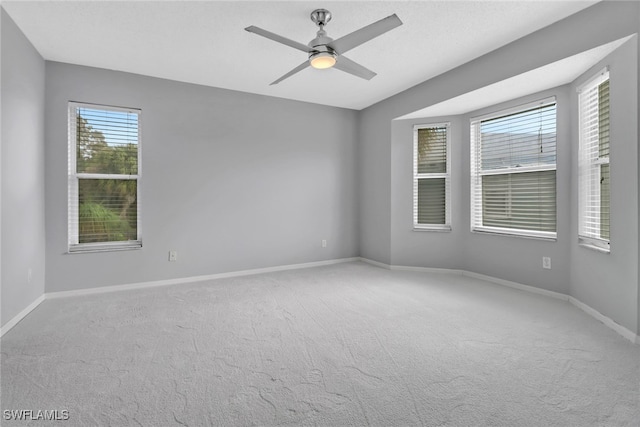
(348, 344)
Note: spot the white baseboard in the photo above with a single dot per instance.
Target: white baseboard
(606, 320)
(626, 333)
(426, 269)
(376, 263)
(192, 279)
(516, 285)
(13, 322)
(408, 267)
(116, 288)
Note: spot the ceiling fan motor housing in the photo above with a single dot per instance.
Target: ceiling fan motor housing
(320, 45)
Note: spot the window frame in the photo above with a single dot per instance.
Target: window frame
(74, 177)
(592, 242)
(476, 173)
(446, 176)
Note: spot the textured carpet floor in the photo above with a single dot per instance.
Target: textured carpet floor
(347, 344)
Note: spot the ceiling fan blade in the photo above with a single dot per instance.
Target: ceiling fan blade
(364, 34)
(345, 64)
(277, 38)
(300, 67)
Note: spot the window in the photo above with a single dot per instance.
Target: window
(593, 163)
(513, 171)
(431, 177)
(104, 178)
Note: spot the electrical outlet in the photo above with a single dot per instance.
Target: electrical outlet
(173, 256)
(29, 275)
(546, 262)
(324, 243)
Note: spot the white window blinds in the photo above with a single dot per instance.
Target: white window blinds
(431, 178)
(104, 178)
(513, 171)
(593, 162)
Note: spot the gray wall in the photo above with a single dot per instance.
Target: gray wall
(23, 230)
(235, 181)
(433, 249)
(374, 184)
(565, 38)
(384, 193)
(515, 258)
(230, 180)
(609, 282)
(479, 252)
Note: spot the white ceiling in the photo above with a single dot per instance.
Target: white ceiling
(205, 43)
(549, 76)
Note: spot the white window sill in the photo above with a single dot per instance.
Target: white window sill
(84, 248)
(508, 233)
(436, 228)
(594, 247)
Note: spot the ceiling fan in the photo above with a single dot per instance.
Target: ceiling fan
(324, 52)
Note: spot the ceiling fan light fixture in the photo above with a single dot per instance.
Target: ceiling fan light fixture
(323, 60)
